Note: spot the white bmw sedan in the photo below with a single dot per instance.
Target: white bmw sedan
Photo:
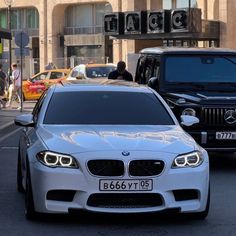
(111, 148)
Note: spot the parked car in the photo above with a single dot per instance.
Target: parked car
(198, 82)
(121, 151)
(34, 87)
(91, 71)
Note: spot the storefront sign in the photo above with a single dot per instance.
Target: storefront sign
(160, 21)
(113, 23)
(179, 20)
(135, 22)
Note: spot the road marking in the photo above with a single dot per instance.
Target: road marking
(6, 125)
(9, 134)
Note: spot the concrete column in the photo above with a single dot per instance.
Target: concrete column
(227, 23)
(43, 34)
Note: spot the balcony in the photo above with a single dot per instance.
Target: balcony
(83, 30)
(30, 32)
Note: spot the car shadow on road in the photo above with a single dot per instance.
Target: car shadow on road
(222, 161)
(130, 220)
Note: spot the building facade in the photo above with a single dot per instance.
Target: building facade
(69, 32)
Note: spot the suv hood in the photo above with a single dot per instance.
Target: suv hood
(203, 97)
(80, 138)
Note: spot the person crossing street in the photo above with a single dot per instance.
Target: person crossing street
(2, 87)
(15, 87)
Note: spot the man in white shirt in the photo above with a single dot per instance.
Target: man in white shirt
(15, 87)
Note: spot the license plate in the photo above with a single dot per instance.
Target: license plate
(226, 135)
(126, 185)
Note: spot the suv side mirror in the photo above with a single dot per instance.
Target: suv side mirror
(187, 120)
(25, 120)
(153, 83)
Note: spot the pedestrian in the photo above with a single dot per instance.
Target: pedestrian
(15, 87)
(50, 66)
(3, 85)
(121, 73)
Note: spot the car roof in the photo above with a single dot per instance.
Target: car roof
(52, 70)
(183, 50)
(99, 65)
(100, 85)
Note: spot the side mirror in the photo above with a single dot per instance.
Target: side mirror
(153, 83)
(187, 120)
(25, 120)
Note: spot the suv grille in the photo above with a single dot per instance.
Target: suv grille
(106, 167)
(125, 200)
(146, 167)
(215, 116)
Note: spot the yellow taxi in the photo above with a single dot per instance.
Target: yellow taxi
(34, 87)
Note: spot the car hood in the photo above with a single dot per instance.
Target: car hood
(205, 97)
(89, 138)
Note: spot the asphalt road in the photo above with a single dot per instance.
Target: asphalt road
(221, 219)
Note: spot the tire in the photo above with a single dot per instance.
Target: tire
(30, 212)
(23, 97)
(20, 187)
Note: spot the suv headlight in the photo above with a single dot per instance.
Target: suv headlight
(52, 159)
(189, 111)
(192, 159)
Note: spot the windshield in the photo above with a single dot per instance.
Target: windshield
(106, 108)
(99, 71)
(200, 69)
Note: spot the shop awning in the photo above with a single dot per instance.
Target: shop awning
(5, 34)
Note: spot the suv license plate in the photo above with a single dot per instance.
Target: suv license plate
(126, 185)
(226, 135)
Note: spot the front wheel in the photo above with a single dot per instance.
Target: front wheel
(19, 174)
(30, 212)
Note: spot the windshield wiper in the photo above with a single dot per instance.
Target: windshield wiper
(230, 60)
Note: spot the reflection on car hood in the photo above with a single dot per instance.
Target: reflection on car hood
(84, 138)
(205, 97)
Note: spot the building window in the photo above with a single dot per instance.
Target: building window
(3, 19)
(171, 4)
(185, 3)
(167, 4)
(85, 18)
(24, 18)
(21, 19)
(32, 18)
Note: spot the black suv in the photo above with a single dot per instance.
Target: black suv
(197, 82)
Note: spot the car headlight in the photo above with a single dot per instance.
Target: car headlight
(189, 111)
(52, 159)
(192, 159)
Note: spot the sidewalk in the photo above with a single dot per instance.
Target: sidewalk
(7, 115)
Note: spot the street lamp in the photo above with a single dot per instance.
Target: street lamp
(8, 3)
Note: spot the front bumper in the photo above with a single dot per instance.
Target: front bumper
(76, 188)
(207, 139)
